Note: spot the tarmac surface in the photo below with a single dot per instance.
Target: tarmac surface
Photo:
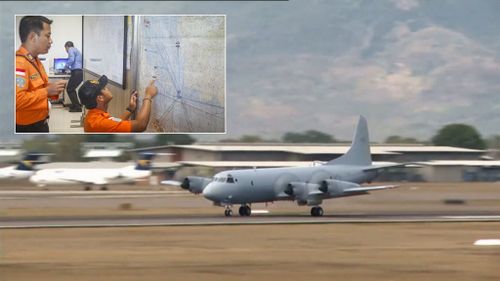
(143, 221)
(134, 206)
(420, 231)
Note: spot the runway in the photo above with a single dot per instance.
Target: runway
(144, 208)
(73, 222)
(130, 232)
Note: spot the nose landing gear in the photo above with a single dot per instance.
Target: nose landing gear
(228, 212)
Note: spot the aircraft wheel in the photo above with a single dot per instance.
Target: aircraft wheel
(228, 212)
(242, 211)
(245, 211)
(87, 188)
(104, 188)
(317, 211)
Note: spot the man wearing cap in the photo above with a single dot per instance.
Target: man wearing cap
(32, 84)
(95, 96)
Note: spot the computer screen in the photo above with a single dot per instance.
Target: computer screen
(59, 64)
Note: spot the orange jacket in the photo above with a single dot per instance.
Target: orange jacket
(31, 89)
(98, 121)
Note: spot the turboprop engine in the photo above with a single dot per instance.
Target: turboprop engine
(195, 184)
(335, 187)
(305, 193)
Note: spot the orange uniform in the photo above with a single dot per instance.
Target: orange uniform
(99, 121)
(31, 89)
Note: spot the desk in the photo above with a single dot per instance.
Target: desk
(54, 77)
(59, 76)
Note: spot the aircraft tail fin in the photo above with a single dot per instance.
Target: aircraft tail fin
(144, 162)
(28, 162)
(359, 152)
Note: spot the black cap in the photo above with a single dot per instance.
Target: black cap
(90, 90)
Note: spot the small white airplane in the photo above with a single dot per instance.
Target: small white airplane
(23, 170)
(100, 177)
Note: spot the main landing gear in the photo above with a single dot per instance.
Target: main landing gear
(317, 211)
(244, 211)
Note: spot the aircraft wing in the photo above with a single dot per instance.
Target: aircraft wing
(368, 188)
(315, 192)
(282, 195)
(381, 167)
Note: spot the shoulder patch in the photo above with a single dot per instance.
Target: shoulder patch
(20, 82)
(115, 119)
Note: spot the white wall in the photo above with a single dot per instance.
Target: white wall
(64, 28)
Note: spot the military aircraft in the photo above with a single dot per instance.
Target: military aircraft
(89, 177)
(309, 186)
(23, 170)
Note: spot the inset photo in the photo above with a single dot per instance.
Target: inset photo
(161, 74)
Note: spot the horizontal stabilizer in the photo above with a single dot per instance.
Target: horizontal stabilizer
(368, 188)
(402, 165)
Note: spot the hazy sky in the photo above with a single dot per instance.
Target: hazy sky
(409, 66)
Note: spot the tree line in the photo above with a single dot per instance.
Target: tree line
(67, 147)
(458, 135)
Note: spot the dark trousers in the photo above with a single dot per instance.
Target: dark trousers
(74, 80)
(37, 127)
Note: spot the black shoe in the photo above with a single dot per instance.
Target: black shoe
(77, 109)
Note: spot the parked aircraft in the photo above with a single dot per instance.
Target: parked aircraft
(309, 186)
(89, 177)
(23, 170)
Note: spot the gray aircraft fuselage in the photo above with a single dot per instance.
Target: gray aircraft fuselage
(338, 177)
(265, 185)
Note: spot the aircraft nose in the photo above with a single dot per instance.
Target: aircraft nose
(210, 192)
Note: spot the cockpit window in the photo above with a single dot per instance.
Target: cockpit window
(228, 179)
(220, 179)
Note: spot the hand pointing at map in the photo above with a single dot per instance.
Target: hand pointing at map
(151, 90)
